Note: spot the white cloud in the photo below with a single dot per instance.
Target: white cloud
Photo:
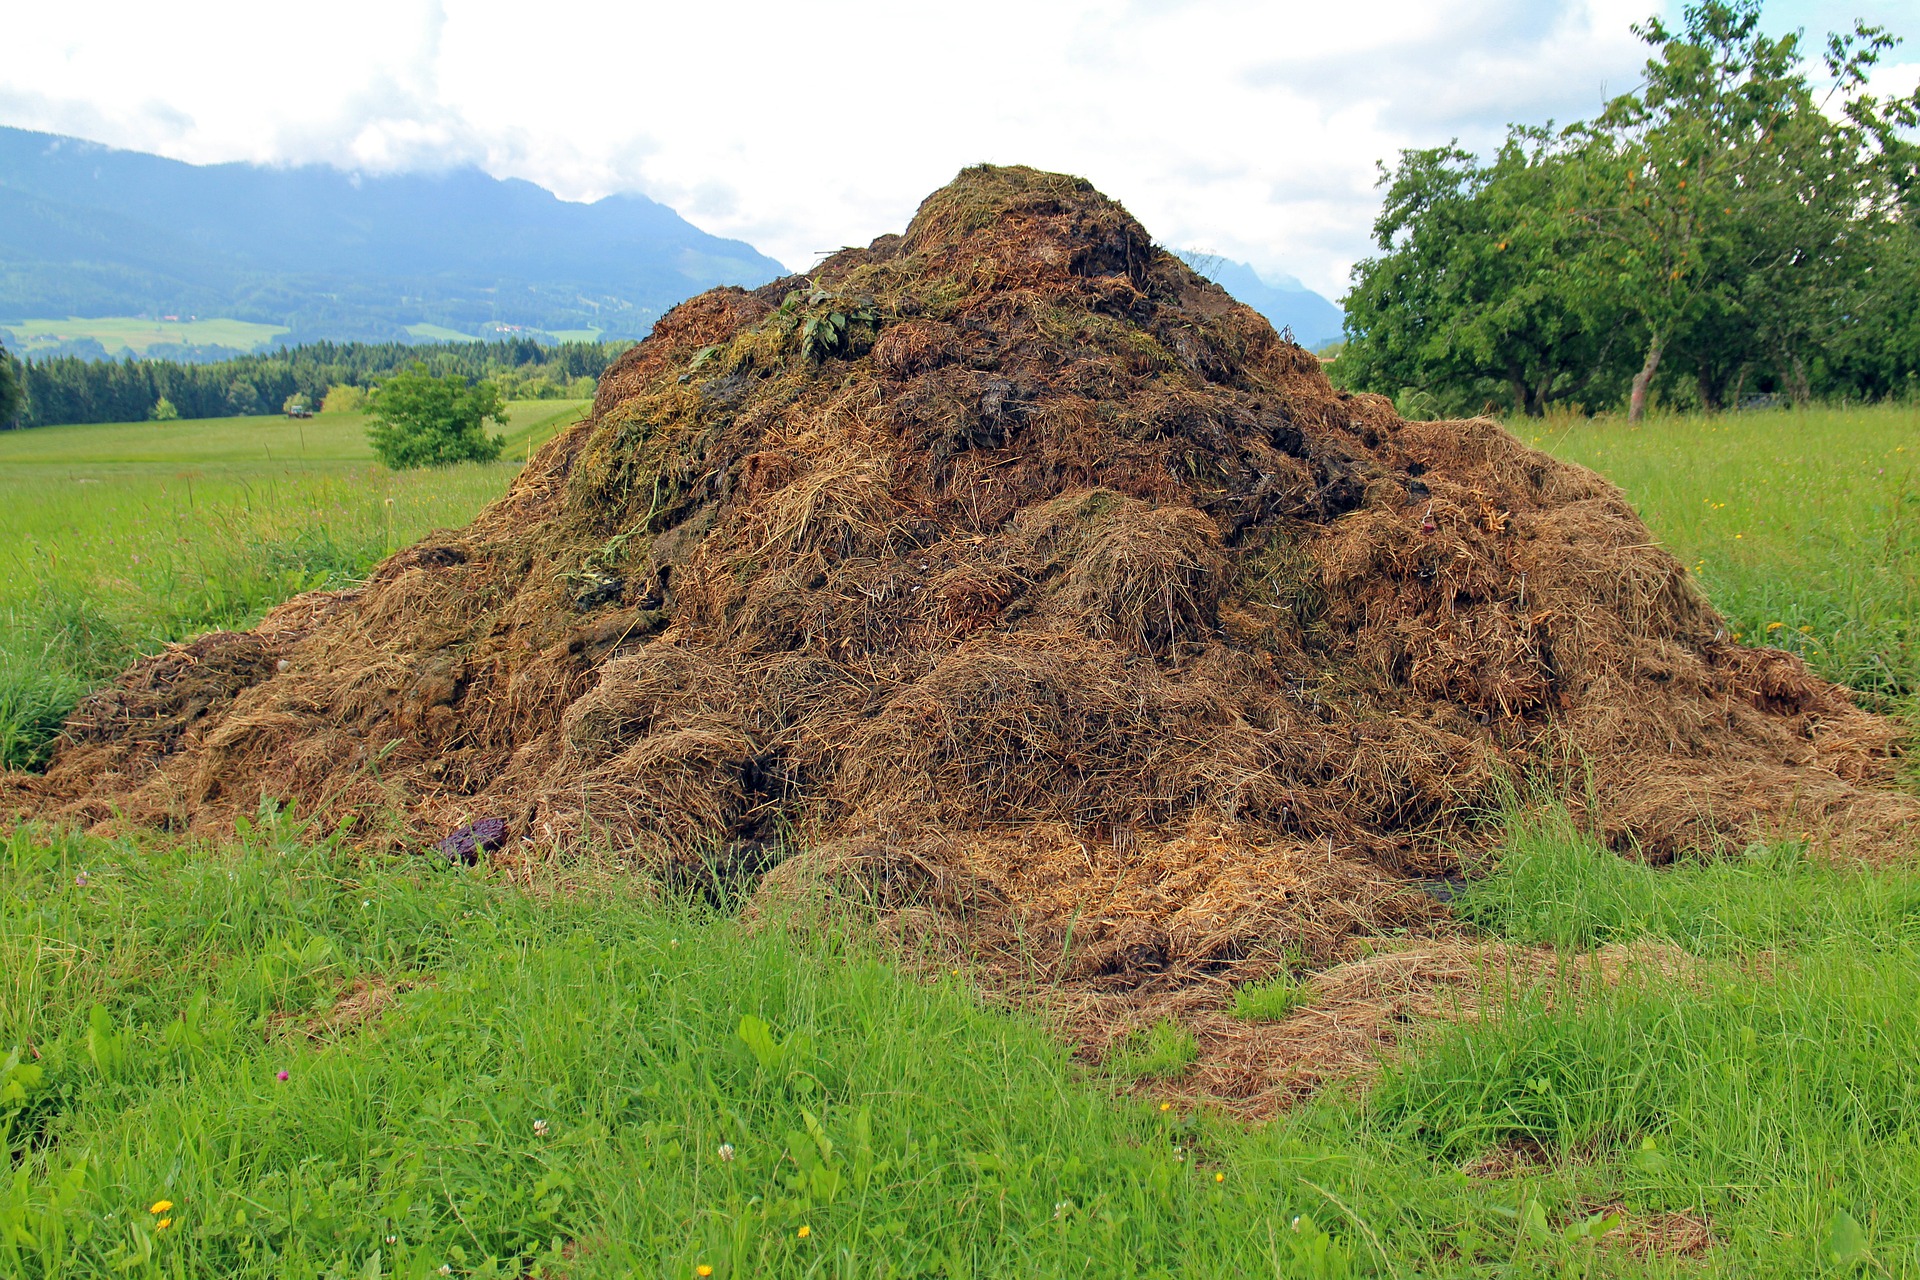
(1250, 129)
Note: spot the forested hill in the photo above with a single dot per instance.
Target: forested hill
(86, 230)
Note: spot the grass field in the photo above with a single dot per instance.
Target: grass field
(123, 335)
(119, 537)
(305, 1062)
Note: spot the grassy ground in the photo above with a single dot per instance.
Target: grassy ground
(305, 1064)
(591, 1080)
(122, 335)
(117, 538)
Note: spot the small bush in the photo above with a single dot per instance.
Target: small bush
(420, 420)
(345, 398)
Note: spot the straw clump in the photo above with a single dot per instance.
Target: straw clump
(1008, 565)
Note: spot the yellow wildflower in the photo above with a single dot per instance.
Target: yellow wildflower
(163, 1224)
(703, 1270)
(1219, 1177)
(160, 1207)
(1775, 626)
(804, 1231)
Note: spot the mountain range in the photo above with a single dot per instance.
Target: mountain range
(1284, 301)
(315, 252)
(88, 230)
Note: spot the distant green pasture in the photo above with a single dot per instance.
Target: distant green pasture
(121, 335)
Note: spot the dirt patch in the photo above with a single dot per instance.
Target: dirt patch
(1669, 1234)
(359, 1003)
(1010, 564)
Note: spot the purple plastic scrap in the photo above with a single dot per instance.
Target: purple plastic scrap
(469, 842)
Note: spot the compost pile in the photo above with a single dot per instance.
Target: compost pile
(1010, 567)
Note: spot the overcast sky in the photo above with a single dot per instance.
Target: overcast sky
(1245, 129)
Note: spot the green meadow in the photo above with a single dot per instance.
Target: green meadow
(133, 335)
(276, 1056)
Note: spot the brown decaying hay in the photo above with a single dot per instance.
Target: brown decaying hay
(1009, 556)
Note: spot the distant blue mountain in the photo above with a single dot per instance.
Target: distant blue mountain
(1287, 304)
(87, 230)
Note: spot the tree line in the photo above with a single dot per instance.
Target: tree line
(65, 389)
(1727, 228)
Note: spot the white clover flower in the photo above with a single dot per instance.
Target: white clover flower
(726, 1151)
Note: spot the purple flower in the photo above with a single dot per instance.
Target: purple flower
(281, 1075)
(81, 879)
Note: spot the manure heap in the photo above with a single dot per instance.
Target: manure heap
(1012, 567)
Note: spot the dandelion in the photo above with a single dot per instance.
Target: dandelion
(1774, 626)
(703, 1270)
(1219, 1177)
(163, 1224)
(160, 1207)
(1806, 631)
(539, 1128)
(804, 1231)
(726, 1152)
(1166, 1106)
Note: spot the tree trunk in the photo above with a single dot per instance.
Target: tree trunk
(1643, 380)
(1523, 402)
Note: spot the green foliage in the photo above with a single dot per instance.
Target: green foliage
(164, 411)
(1724, 225)
(12, 394)
(66, 390)
(1469, 303)
(420, 420)
(345, 398)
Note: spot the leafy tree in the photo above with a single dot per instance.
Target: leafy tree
(1719, 191)
(420, 420)
(345, 398)
(1471, 298)
(12, 392)
(164, 410)
(243, 398)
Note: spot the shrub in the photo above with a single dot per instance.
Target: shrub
(423, 421)
(345, 398)
(164, 410)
